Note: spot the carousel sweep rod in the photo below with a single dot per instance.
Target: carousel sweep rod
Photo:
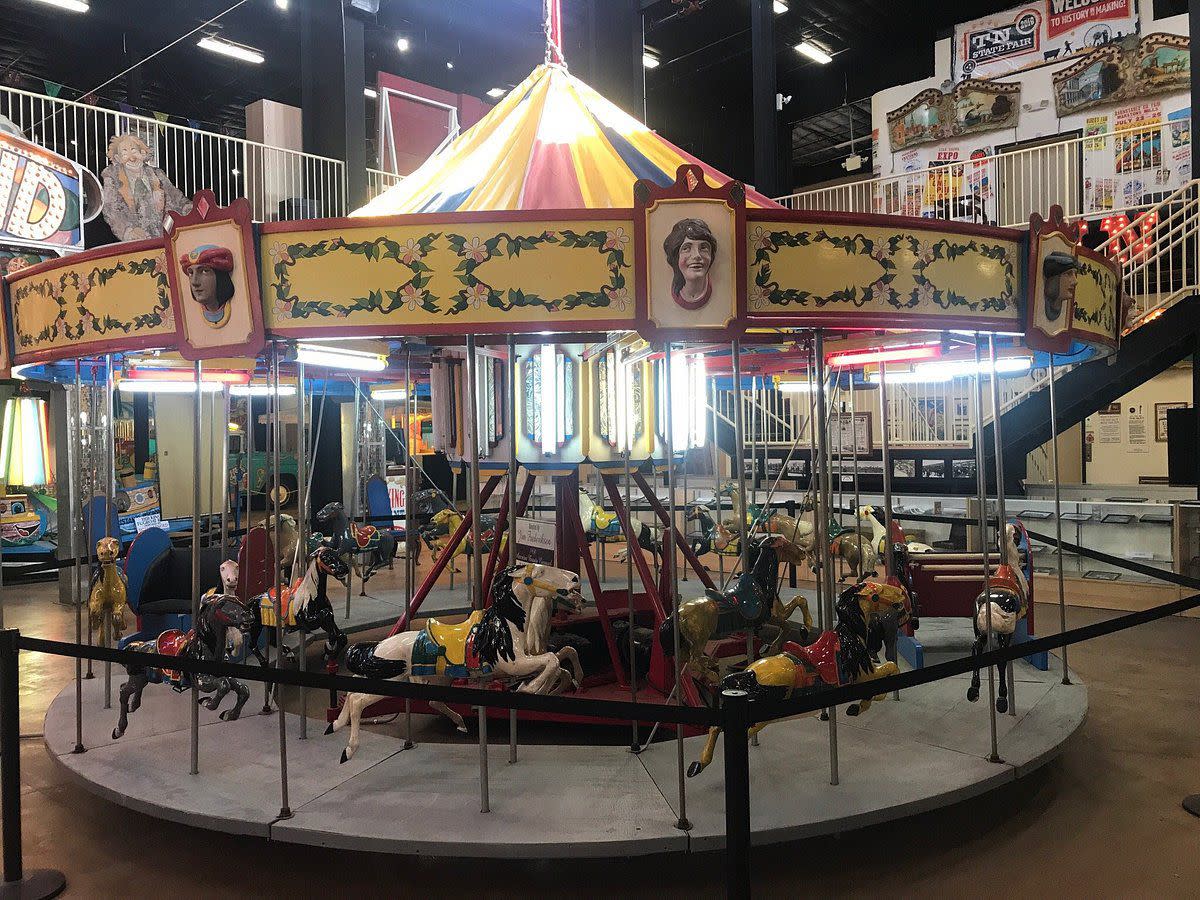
(813, 489)
(822, 515)
(886, 440)
(354, 480)
(285, 811)
(110, 500)
(981, 487)
(669, 553)
(510, 427)
(1062, 603)
(410, 563)
(75, 496)
(197, 425)
(626, 393)
(1001, 518)
(471, 419)
(301, 524)
(884, 428)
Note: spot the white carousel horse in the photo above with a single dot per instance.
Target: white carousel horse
(1001, 606)
(507, 641)
(229, 583)
(879, 534)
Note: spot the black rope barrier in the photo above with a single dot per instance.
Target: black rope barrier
(1122, 562)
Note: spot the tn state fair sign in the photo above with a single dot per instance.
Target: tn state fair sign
(1034, 34)
(40, 197)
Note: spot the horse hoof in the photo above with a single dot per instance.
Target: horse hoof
(329, 728)
(116, 733)
(853, 709)
(344, 757)
(972, 694)
(462, 729)
(1001, 704)
(694, 769)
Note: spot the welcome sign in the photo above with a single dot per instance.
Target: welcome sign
(40, 197)
(1038, 33)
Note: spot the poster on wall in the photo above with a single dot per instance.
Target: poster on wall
(1139, 440)
(1093, 127)
(1137, 144)
(535, 541)
(1109, 431)
(1160, 419)
(1037, 33)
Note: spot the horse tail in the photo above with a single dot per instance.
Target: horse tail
(666, 636)
(362, 660)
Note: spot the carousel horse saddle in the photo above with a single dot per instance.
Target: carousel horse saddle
(443, 649)
(266, 607)
(364, 536)
(171, 643)
(602, 519)
(820, 656)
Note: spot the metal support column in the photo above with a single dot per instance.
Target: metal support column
(822, 514)
(302, 457)
(110, 498)
(410, 535)
(1062, 602)
(356, 478)
(285, 811)
(981, 484)
(885, 438)
(197, 427)
(1001, 517)
(76, 506)
(510, 428)
(472, 416)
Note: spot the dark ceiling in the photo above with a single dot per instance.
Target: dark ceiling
(699, 96)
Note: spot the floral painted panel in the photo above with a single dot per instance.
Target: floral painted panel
(120, 301)
(847, 271)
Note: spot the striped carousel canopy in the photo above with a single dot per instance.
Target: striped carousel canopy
(551, 143)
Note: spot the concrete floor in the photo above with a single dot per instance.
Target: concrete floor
(1104, 817)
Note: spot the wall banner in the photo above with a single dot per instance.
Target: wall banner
(1038, 33)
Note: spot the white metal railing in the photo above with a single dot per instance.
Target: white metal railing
(379, 181)
(279, 183)
(995, 189)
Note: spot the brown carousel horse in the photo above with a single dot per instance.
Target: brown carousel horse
(838, 657)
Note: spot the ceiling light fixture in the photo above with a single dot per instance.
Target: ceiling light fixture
(370, 92)
(780, 7)
(261, 390)
(230, 49)
(79, 6)
(449, 65)
(340, 358)
(813, 52)
(649, 60)
(402, 44)
(283, 4)
(895, 354)
(497, 92)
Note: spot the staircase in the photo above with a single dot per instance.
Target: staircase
(1160, 254)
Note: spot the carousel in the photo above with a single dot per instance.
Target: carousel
(551, 306)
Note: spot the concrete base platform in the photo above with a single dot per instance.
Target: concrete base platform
(928, 749)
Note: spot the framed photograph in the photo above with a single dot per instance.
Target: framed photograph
(1160, 419)
(849, 435)
(904, 468)
(933, 468)
(214, 279)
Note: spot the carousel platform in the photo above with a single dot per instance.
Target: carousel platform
(927, 750)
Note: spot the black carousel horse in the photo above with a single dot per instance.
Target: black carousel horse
(305, 606)
(206, 640)
(376, 547)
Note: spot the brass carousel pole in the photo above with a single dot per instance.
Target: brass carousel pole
(471, 420)
(669, 553)
(285, 811)
(981, 486)
(1062, 603)
(197, 425)
(1001, 518)
(822, 515)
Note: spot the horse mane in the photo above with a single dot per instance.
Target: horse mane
(853, 657)
(494, 640)
(537, 625)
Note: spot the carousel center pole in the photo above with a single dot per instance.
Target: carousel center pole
(1062, 603)
(822, 514)
(669, 553)
(197, 425)
(981, 486)
(285, 811)
(1001, 517)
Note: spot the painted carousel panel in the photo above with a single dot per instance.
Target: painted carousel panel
(92, 304)
(852, 274)
(450, 277)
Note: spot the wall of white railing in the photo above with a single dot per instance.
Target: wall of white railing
(280, 184)
(379, 181)
(998, 189)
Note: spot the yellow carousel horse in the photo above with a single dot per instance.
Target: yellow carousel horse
(106, 601)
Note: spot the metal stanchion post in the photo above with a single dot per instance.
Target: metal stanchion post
(822, 514)
(36, 884)
(485, 804)
(285, 811)
(981, 479)
(1001, 517)
(197, 426)
(1062, 602)
(735, 711)
(669, 553)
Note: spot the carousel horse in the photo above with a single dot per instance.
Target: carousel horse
(377, 547)
(508, 641)
(713, 537)
(647, 539)
(229, 586)
(304, 607)
(879, 535)
(838, 657)
(752, 602)
(598, 523)
(207, 640)
(106, 600)
(1005, 602)
(856, 548)
(289, 537)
